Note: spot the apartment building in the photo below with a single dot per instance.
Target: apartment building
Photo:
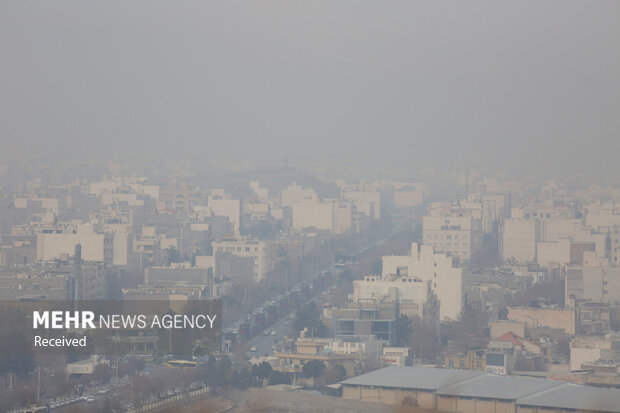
(518, 238)
(365, 201)
(329, 215)
(258, 251)
(452, 235)
(428, 265)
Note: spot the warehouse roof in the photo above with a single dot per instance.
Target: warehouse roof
(421, 378)
(498, 387)
(526, 391)
(575, 396)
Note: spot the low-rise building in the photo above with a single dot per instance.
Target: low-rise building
(309, 349)
(471, 360)
(545, 317)
(364, 347)
(590, 349)
(451, 390)
(395, 356)
(364, 318)
(257, 250)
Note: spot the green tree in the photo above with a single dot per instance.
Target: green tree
(313, 369)
(403, 331)
(210, 373)
(241, 379)
(552, 292)
(278, 377)
(262, 370)
(16, 354)
(219, 375)
(309, 316)
(101, 373)
(423, 340)
(223, 365)
(469, 332)
(211, 361)
(334, 374)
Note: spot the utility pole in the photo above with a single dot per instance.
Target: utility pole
(38, 385)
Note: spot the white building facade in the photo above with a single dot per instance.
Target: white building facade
(427, 265)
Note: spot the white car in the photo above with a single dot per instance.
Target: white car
(253, 348)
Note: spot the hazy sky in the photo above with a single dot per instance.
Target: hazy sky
(500, 84)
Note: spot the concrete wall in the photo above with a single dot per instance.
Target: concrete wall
(544, 317)
(519, 237)
(53, 246)
(408, 198)
(553, 229)
(553, 253)
(425, 399)
(498, 328)
(308, 214)
(396, 289)
(296, 193)
(343, 217)
(230, 208)
(120, 248)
